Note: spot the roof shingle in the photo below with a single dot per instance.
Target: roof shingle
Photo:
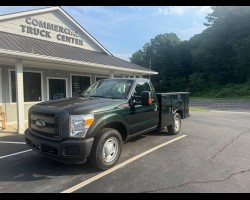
(19, 43)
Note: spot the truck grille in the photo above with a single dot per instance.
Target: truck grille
(51, 124)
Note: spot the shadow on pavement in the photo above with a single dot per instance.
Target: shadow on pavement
(36, 168)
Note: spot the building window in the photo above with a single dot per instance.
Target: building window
(57, 88)
(31, 85)
(97, 78)
(79, 84)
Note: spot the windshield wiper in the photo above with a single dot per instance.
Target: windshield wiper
(117, 98)
(98, 96)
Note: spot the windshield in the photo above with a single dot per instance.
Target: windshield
(109, 88)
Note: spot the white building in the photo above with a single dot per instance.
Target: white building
(45, 55)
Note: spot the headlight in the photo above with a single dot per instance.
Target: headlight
(79, 125)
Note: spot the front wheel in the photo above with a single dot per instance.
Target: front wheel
(106, 149)
(175, 128)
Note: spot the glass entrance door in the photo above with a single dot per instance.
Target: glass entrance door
(57, 89)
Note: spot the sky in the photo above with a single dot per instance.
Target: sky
(123, 30)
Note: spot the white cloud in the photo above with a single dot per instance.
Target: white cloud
(136, 7)
(172, 10)
(205, 10)
(93, 9)
(103, 16)
(181, 10)
(80, 11)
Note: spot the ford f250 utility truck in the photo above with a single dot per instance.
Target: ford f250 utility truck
(94, 125)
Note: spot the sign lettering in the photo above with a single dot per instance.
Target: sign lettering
(45, 30)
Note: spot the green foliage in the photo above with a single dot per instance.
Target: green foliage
(234, 90)
(173, 85)
(197, 82)
(215, 63)
(138, 58)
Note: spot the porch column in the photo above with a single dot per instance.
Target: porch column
(20, 97)
(111, 74)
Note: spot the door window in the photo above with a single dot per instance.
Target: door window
(142, 86)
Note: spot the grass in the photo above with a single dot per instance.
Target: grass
(199, 109)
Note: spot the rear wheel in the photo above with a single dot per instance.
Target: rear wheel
(175, 128)
(106, 149)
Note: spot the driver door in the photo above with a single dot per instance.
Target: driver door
(143, 118)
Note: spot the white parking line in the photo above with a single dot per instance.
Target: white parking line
(98, 176)
(8, 142)
(220, 112)
(13, 154)
(233, 112)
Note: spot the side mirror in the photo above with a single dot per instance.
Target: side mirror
(146, 98)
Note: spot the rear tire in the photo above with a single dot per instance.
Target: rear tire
(175, 128)
(106, 149)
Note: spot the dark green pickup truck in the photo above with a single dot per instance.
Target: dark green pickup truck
(94, 125)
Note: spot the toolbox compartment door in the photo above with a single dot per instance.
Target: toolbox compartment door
(169, 103)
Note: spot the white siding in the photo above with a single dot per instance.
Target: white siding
(53, 17)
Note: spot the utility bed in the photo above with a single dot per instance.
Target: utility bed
(170, 103)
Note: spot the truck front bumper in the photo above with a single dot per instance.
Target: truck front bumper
(72, 151)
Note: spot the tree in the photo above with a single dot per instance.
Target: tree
(218, 56)
(164, 54)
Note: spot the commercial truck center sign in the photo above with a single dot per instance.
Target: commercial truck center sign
(45, 29)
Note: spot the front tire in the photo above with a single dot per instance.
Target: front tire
(106, 149)
(175, 128)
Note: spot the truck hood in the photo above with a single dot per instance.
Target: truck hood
(79, 105)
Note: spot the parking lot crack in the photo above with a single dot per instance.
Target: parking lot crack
(228, 144)
(199, 182)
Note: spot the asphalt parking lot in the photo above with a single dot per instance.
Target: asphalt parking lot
(211, 154)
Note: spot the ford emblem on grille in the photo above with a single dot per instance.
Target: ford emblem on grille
(40, 123)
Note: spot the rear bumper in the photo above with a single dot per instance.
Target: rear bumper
(72, 151)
